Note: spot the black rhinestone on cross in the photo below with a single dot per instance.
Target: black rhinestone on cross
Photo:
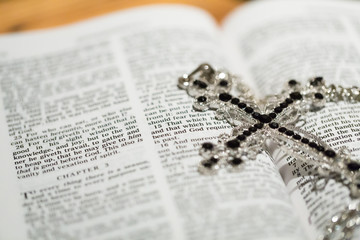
(267, 120)
(274, 118)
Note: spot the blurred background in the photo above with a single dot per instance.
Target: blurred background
(22, 15)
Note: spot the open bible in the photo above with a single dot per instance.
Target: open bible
(99, 143)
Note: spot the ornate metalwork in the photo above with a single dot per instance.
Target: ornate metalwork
(275, 118)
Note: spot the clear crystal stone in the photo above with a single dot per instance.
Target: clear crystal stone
(200, 106)
(183, 81)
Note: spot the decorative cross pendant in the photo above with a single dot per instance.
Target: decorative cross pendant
(276, 117)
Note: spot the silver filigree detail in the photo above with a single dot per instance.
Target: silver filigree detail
(276, 117)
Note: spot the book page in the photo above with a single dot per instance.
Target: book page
(105, 146)
(252, 204)
(81, 152)
(281, 40)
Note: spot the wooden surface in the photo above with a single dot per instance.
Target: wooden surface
(22, 15)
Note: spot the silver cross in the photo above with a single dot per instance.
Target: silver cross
(277, 117)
